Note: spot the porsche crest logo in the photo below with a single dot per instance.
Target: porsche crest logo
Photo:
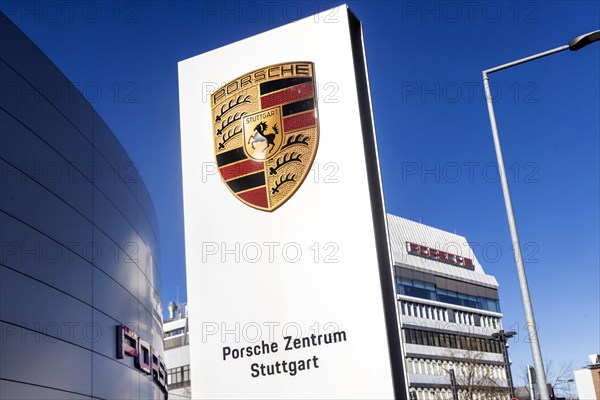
(266, 133)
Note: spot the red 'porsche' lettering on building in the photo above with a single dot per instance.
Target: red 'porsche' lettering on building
(439, 255)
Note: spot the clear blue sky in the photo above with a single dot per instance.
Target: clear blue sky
(425, 61)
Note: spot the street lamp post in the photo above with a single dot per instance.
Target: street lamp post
(453, 385)
(503, 338)
(575, 44)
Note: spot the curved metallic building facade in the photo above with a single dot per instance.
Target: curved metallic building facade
(78, 243)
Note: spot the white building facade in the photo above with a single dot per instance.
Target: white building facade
(448, 310)
(177, 353)
(587, 379)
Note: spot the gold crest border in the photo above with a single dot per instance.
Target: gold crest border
(314, 155)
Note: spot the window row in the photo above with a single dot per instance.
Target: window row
(423, 290)
(178, 377)
(446, 394)
(491, 372)
(174, 332)
(450, 340)
(448, 315)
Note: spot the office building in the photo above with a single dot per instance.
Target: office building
(587, 379)
(448, 310)
(177, 352)
(80, 310)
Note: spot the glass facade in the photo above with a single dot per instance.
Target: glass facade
(429, 291)
(452, 341)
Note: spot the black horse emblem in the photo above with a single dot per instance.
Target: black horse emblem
(261, 136)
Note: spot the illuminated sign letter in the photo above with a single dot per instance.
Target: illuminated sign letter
(127, 342)
(146, 358)
(155, 365)
(143, 359)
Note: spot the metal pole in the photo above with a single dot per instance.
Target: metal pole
(526, 59)
(531, 326)
(453, 384)
(532, 383)
(503, 338)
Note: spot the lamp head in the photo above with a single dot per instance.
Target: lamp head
(584, 40)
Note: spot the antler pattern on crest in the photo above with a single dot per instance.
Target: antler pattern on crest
(296, 139)
(230, 120)
(229, 135)
(225, 108)
(285, 160)
(282, 181)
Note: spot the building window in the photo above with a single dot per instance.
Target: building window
(174, 332)
(173, 376)
(437, 339)
(422, 290)
(178, 377)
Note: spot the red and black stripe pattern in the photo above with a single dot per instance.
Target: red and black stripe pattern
(296, 97)
(244, 176)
